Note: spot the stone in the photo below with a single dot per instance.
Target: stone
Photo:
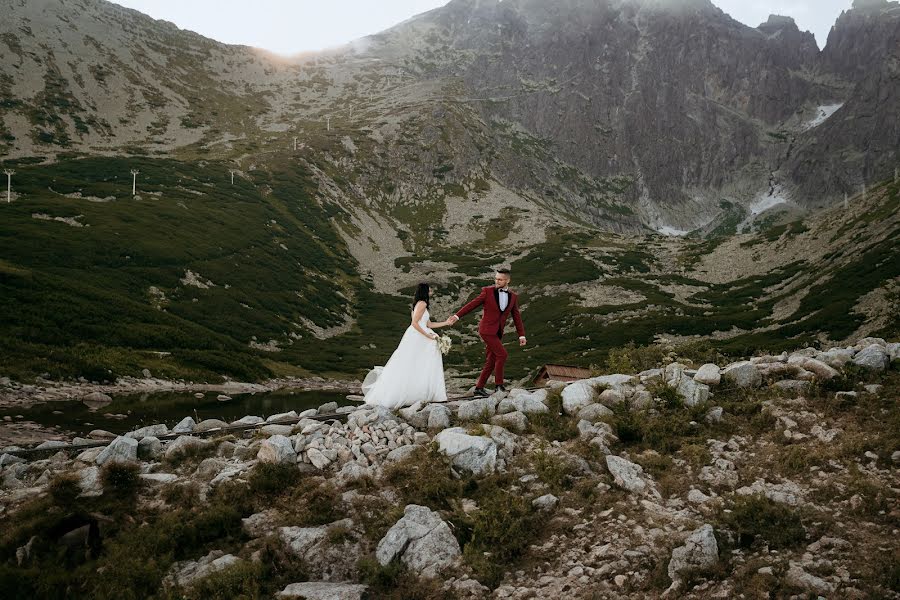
(328, 408)
(836, 357)
(10, 459)
(476, 410)
(893, 350)
(159, 478)
(223, 397)
(791, 385)
(546, 502)
(149, 431)
(401, 453)
(185, 443)
(278, 450)
(121, 449)
(708, 374)
(101, 434)
(185, 573)
(249, 420)
(475, 454)
(89, 482)
(209, 425)
(514, 421)
(261, 524)
(323, 556)
(438, 417)
(611, 398)
(715, 415)
(640, 400)
(627, 475)
(318, 458)
(874, 357)
(323, 590)
(149, 448)
(594, 412)
(186, 425)
(51, 444)
(700, 551)
(146, 373)
(271, 430)
(742, 374)
(697, 497)
(422, 540)
(577, 395)
(796, 576)
(816, 367)
(292, 415)
(96, 400)
(693, 393)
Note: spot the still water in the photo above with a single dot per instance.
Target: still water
(125, 413)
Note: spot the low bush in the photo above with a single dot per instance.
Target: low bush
(424, 478)
(270, 479)
(757, 517)
(64, 491)
(121, 479)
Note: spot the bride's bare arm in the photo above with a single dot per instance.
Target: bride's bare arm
(417, 314)
(438, 324)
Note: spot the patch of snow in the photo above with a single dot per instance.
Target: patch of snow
(764, 201)
(671, 231)
(822, 114)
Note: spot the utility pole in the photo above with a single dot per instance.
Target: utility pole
(896, 175)
(846, 201)
(134, 174)
(9, 174)
(865, 194)
(232, 171)
(295, 143)
(328, 122)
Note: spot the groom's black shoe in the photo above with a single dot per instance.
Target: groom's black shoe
(481, 393)
(501, 388)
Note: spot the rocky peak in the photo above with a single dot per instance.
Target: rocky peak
(777, 23)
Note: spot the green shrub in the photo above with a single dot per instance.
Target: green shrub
(424, 478)
(64, 490)
(553, 425)
(270, 479)
(243, 580)
(395, 582)
(755, 516)
(632, 358)
(121, 478)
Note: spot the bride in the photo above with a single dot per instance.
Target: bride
(415, 371)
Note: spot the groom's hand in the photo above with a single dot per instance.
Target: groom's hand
(453, 319)
(522, 341)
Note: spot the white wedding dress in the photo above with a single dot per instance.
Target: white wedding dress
(414, 373)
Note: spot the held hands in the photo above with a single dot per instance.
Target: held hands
(452, 320)
(522, 341)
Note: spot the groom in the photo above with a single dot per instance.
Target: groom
(499, 302)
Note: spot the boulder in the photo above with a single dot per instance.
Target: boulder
(472, 453)
(249, 420)
(514, 421)
(797, 577)
(149, 448)
(185, 443)
(328, 408)
(438, 417)
(836, 357)
(101, 434)
(149, 431)
(185, 573)
(261, 524)
(51, 444)
(186, 425)
(874, 357)
(524, 403)
(708, 374)
(323, 590)
(476, 410)
(318, 458)
(271, 430)
(742, 374)
(611, 397)
(96, 400)
(325, 556)
(277, 449)
(628, 475)
(422, 541)
(89, 482)
(121, 449)
(692, 393)
(401, 453)
(545, 502)
(292, 415)
(816, 367)
(700, 551)
(577, 395)
(593, 412)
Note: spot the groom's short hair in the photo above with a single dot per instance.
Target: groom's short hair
(503, 271)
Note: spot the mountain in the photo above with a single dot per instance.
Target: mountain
(552, 136)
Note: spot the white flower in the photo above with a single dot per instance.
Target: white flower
(444, 342)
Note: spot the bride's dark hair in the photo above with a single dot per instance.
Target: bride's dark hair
(423, 292)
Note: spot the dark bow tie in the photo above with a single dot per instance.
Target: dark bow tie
(505, 290)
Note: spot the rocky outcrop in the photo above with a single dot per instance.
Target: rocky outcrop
(421, 540)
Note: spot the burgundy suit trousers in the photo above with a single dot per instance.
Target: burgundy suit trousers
(494, 361)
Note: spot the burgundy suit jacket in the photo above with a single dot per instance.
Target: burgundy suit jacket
(493, 322)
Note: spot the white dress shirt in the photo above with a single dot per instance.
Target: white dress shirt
(503, 299)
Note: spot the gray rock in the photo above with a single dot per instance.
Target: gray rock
(89, 482)
(514, 421)
(692, 392)
(401, 453)
(121, 449)
(308, 413)
(185, 443)
(611, 398)
(476, 410)
(792, 385)
(101, 434)
(742, 374)
(715, 415)
(249, 420)
(271, 430)
(628, 475)
(149, 448)
(185, 573)
(292, 415)
(797, 577)
(317, 458)
(51, 444)
(874, 357)
(150, 430)
(323, 590)
(159, 478)
(438, 417)
(816, 367)
(261, 524)
(577, 395)
(545, 502)
(328, 408)
(186, 425)
(422, 540)
(10, 459)
(708, 374)
(700, 551)
(476, 454)
(277, 449)
(209, 425)
(322, 556)
(96, 399)
(893, 350)
(836, 357)
(146, 373)
(594, 412)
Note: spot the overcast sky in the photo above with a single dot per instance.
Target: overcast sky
(290, 26)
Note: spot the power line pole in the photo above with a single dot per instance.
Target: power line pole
(295, 143)
(328, 122)
(134, 174)
(9, 174)
(232, 171)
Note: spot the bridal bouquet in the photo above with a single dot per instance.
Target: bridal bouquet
(444, 342)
